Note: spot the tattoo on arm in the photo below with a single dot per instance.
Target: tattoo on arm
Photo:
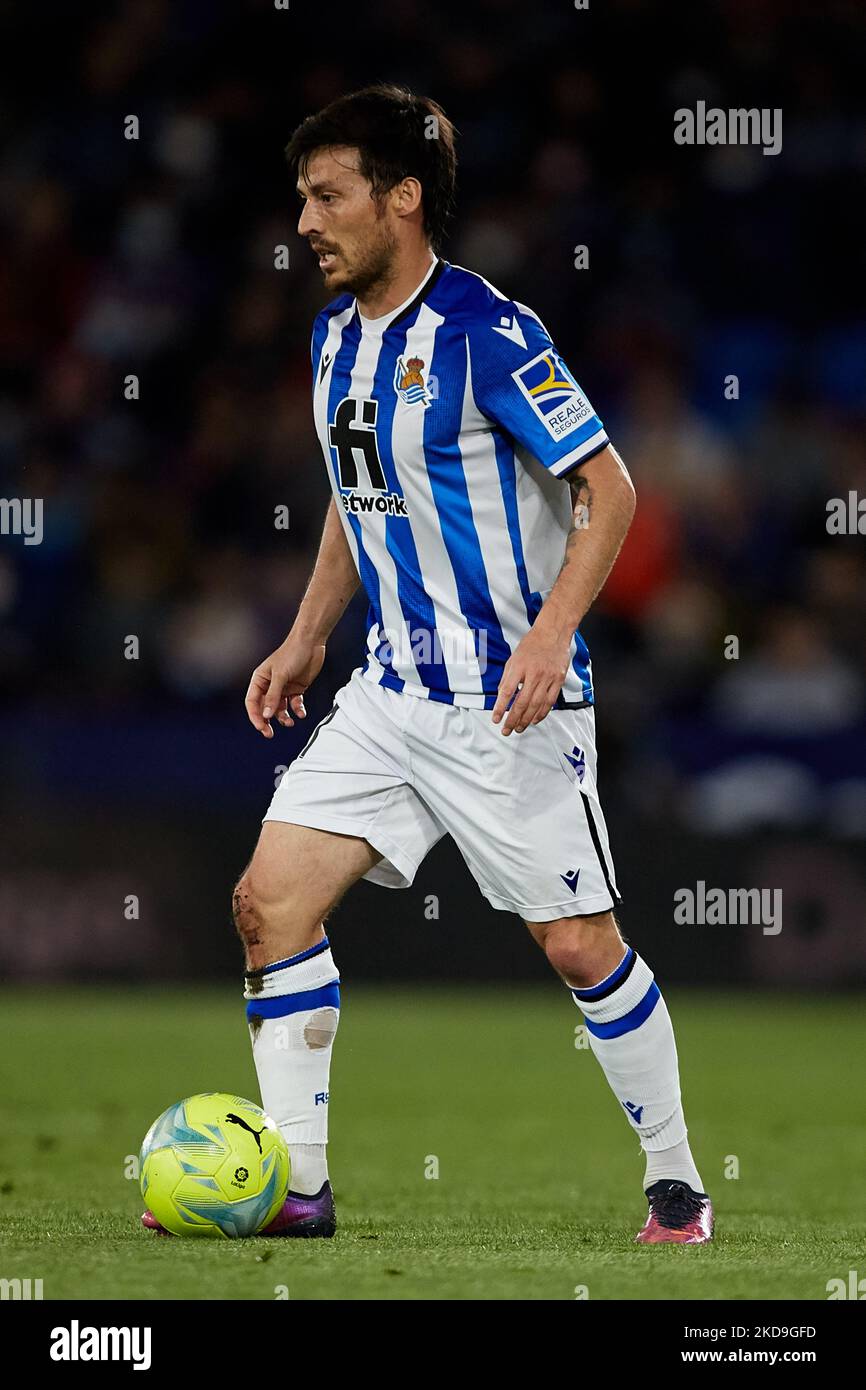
(589, 559)
(582, 499)
(581, 496)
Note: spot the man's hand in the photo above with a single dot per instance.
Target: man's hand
(278, 685)
(539, 666)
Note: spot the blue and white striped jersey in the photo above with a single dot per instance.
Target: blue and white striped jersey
(447, 427)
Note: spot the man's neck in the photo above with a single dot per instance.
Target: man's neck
(408, 276)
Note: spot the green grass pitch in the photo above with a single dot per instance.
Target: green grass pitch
(538, 1191)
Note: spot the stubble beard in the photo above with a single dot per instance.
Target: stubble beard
(373, 270)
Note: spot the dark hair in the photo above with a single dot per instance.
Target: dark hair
(393, 130)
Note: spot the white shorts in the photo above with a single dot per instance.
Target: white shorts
(401, 772)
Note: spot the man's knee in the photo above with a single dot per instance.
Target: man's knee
(247, 913)
(583, 949)
(295, 879)
(262, 906)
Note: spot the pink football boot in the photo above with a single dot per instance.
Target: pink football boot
(298, 1216)
(677, 1215)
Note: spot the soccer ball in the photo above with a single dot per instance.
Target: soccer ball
(214, 1165)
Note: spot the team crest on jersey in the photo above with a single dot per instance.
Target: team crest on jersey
(409, 381)
(553, 394)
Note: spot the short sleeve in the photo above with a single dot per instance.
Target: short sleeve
(521, 382)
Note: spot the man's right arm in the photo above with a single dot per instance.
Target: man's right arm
(278, 684)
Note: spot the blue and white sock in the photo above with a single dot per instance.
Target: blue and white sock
(631, 1034)
(293, 1011)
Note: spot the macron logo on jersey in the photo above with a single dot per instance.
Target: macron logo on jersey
(553, 394)
(510, 328)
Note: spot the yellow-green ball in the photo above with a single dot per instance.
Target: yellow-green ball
(214, 1165)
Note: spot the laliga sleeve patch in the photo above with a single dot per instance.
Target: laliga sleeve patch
(554, 394)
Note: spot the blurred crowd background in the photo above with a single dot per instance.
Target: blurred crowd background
(155, 256)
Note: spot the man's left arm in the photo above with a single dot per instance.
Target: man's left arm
(604, 504)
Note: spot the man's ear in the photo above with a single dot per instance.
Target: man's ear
(406, 196)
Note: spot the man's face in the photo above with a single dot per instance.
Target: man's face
(351, 236)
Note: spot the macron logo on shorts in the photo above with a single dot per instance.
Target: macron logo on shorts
(577, 759)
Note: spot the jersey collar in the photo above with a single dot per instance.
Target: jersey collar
(416, 297)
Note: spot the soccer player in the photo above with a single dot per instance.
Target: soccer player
(478, 500)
